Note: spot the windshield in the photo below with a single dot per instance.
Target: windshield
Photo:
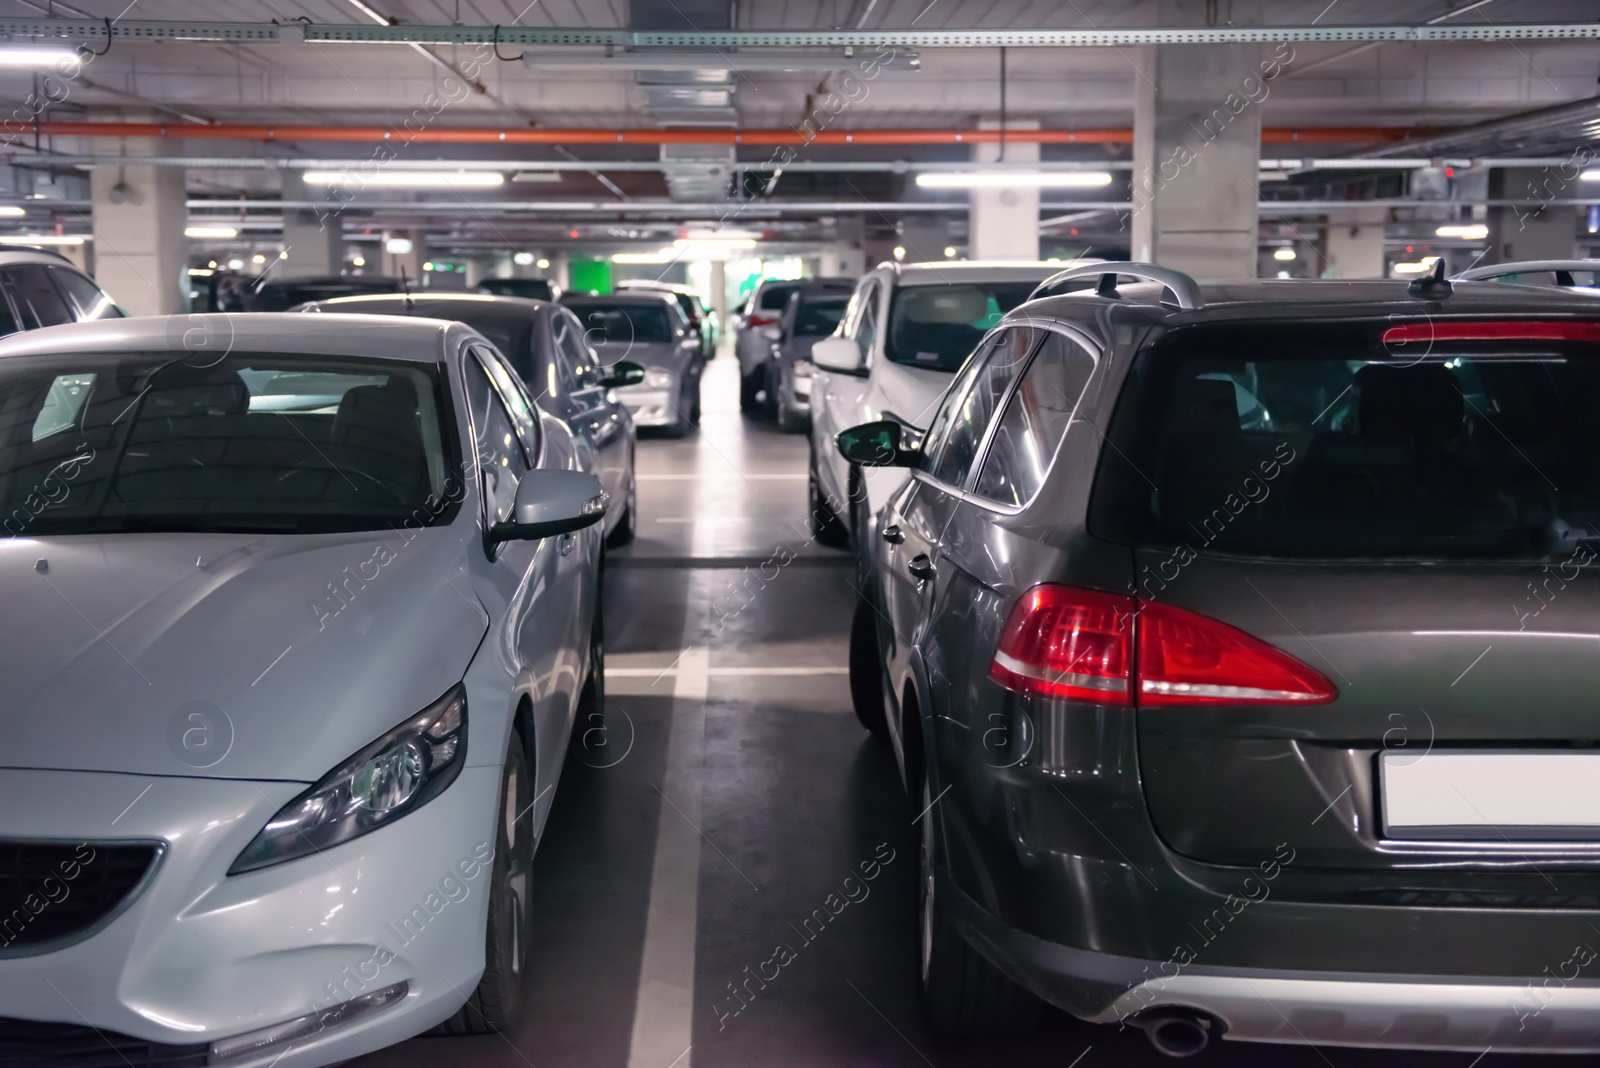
(1286, 444)
(938, 326)
(774, 298)
(252, 442)
(818, 316)
(624, 323)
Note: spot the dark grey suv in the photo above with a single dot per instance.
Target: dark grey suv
(1242, 642)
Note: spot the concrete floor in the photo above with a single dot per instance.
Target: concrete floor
(732, 792)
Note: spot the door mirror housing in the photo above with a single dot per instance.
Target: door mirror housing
(841, 354)
(885, 443)
(622, 373)
(551, 503)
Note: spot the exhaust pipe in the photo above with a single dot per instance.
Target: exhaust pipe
(1176, 1032)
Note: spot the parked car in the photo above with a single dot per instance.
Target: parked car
(702, 320)
(39, 289)
(813, 313)
(1236, 640)
(543, 343)
(762, 310)
(527, 288)
(907, 330)
(311, 604)
(285, 293)
(648, 329)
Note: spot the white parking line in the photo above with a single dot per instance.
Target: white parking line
(624, 673)
(663, 1010)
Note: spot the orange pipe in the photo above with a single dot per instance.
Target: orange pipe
(683, 136)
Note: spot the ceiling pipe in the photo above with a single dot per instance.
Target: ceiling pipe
(681, 136)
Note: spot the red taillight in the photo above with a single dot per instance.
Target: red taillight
(1066, 642)
(1189, 659)
(760, 319)
(1455, 331)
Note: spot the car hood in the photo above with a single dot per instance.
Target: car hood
(226, 656)
(910, 393)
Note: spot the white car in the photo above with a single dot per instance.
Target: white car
(303, 609)
(908, 328)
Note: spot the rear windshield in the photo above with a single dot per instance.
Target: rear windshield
(938, 326)
(818, 316)
(774, 298)
(1320, 443)
(532, 288)
(624, 323)
(249, 443)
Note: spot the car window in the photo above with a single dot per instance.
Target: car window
(866, 324)
(937, 326)
(92, 301)
(1322, 442)
(8, 318)
(818, 316)
(1034, 422)
(515, 397)
(575, 355)
(773, 298)
(266, 443)
(37, 297)
(500, 457)
(971, 414)
(621, 324)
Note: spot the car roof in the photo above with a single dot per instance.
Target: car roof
(1308, 298)
(957, 271)
(11, 254)
(631, 296)
(414, 340)
(433, 305)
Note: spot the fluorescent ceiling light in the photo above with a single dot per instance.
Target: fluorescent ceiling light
(730, 243)
(235, 264)
(536, 176)
(1283, 254)
(398, 246)
(1273, 176)
(1419, 267)
(720, 235)
(1590, 176)
(210, 231)
(408, 179)
(664, 256)
(543, 265)
(11, 211)
(201, 272)
(522, 259)
(1470, 231)
(37, 57)
(44, 239)
(1004, 179)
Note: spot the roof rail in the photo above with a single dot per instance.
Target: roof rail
(1185, 290)
(1562, 269)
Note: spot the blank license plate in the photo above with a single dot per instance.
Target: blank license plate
(1494, 796)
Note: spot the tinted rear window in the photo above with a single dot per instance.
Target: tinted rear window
(938, 326)
(624, 323)
(1319, 443)
(774, 298)
(817, 316)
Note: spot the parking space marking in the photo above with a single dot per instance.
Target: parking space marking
(718, 672)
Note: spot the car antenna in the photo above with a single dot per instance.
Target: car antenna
(405, 287)
(1432, 284)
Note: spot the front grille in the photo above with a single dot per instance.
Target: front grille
(53, 890)
(25, 1044)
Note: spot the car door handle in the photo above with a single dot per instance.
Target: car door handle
(567, 544)
(921, 567)
(892, 535)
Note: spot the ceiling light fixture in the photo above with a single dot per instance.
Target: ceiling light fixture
(708, 244)
(55, 240)
(1470, 231)
(210, 231)
(398, 246)
(408, 179)
(36, 58)
(651, 258)
(1011, 179)
(522, 259)
(1590, 176)
(1418, 267)
(1283, 254)
(11, 211)
(543, 265)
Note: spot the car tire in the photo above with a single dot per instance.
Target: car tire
(750, 393)
(681, 422)
(963, 995)
(866, 669)
(496, 1003)
(628, 526)
(824, 522)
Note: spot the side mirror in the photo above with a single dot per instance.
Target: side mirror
(551, 503)
(622, 373)
(772, 333)
(886, 443)
(841, 354)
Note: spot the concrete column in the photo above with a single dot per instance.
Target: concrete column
(560, 271)
(1352, 246)
(141, 255)
(1197, 145)
(314, 242)
(1533, 230)
(719, 291)
(408, 262)
(925, 237)
(841, 260)
(1004, 222)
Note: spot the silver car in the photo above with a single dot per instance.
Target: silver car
(813, 313)
(311, 606)
(649, 329)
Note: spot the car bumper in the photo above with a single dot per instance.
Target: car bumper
(197, 955)
(651, 407)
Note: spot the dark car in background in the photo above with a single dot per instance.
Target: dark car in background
(813, 313)
(283, 294)
(39, 288)
(647, 328)
(527, 288)
(1239, 642)
(702, 320)
(544, 344)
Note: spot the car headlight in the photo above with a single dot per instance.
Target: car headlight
(397, 774)
(802, 368)
(657, 378)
